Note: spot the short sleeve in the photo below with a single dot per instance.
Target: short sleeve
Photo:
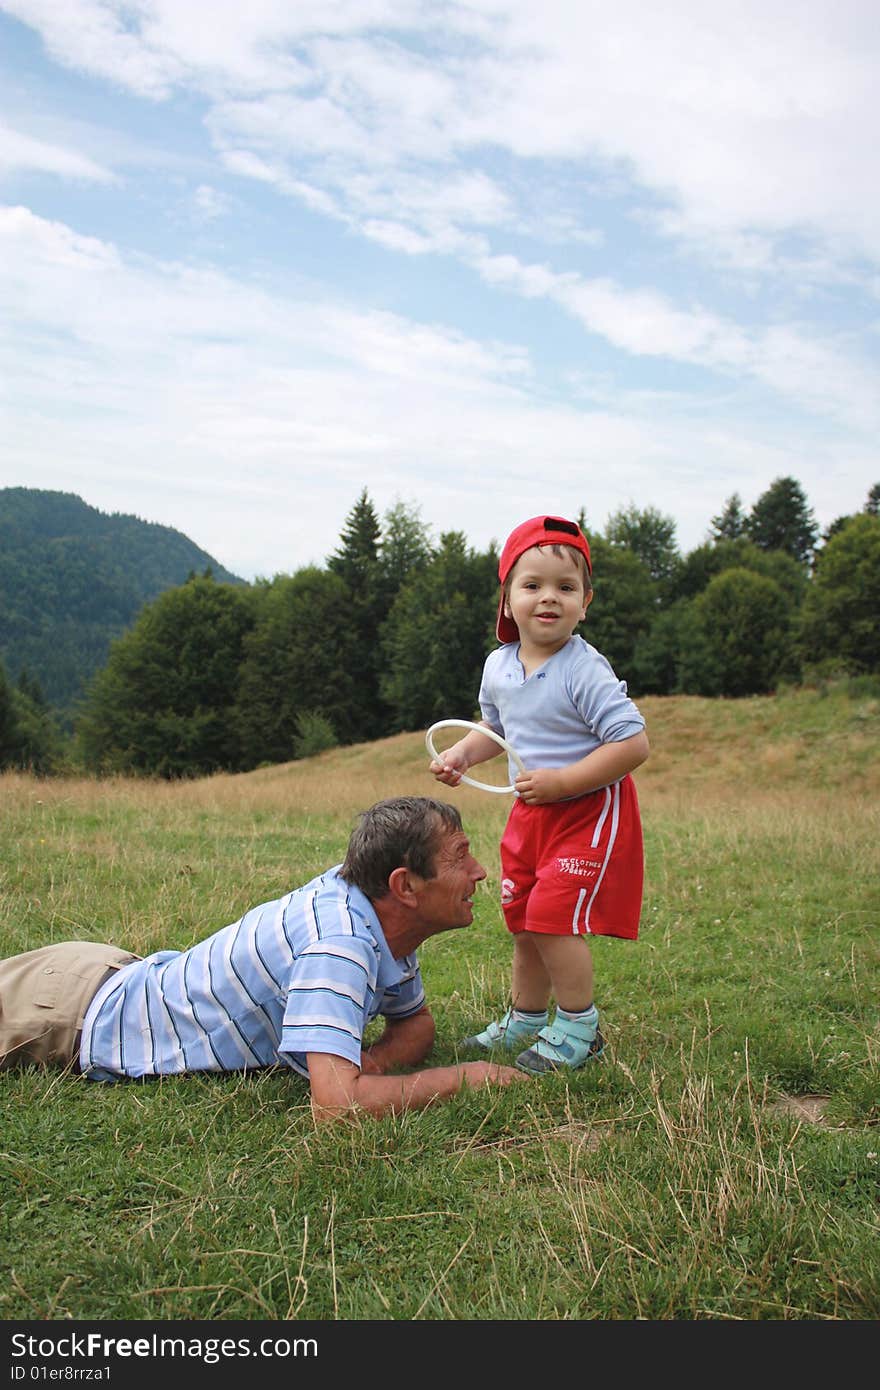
(331, 987)
(409, 996)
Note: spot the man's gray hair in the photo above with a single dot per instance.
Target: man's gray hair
(404, 831)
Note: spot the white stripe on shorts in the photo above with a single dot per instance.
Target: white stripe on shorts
(597, 833)
(612, 800)
(577, 907)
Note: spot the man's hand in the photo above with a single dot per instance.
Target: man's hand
(476, 1074)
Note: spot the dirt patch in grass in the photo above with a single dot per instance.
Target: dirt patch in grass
(809, 1107)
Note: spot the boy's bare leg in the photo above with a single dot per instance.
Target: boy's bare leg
(530, 982)
(568, 964)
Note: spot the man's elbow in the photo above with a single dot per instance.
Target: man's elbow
(330, 1108)
(333, 1088)
(332, 1114)
(325, 1114)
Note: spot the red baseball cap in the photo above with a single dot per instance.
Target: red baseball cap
(538, 530)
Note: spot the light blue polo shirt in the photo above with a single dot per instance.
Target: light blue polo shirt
(304, 973)
(566, 709)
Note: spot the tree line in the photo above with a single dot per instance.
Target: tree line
(391, 634)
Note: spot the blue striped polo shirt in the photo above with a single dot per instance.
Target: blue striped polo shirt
(304, 973)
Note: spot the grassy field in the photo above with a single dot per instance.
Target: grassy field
(721, 1163)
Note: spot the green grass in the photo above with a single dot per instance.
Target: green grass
(670, 1181)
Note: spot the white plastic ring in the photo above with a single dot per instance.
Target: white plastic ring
(481, 728)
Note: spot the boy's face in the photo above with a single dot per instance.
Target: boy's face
(546, 597)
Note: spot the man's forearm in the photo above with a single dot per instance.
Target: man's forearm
(389, 1095)
(341, 1090)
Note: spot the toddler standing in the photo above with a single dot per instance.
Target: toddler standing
(571, 854)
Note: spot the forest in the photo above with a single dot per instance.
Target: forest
(392, 631)
(72, 579)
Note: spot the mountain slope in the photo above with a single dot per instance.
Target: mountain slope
(73, 578)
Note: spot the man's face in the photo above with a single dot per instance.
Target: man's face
(446, 900)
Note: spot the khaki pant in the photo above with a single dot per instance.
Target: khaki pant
(44, 996)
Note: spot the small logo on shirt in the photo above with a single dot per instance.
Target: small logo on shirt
(508, 890)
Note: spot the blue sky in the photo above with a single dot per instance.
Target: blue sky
(484, 257)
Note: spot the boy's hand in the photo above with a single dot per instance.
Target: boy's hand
(606, 764)
(448, 768)
(542, 784)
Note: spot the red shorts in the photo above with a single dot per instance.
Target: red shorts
(575, 867)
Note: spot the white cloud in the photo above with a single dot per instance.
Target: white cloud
(97, 37)
(735, 118)
(397, 237)
(23, 153)
(819, 376)
(252, 419)
(51, 245)
(209, 203)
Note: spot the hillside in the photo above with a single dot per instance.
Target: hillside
(73, 578)
(816, 744)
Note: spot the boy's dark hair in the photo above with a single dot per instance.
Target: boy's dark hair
(403, 831)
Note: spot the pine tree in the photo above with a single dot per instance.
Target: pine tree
(782, 520)
(29, 735)
(355, 559)
(624, 604)
(356, 562)
(731, 523)
(298, 669)
(30, 686)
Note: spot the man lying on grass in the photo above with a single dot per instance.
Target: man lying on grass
(293, 982)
